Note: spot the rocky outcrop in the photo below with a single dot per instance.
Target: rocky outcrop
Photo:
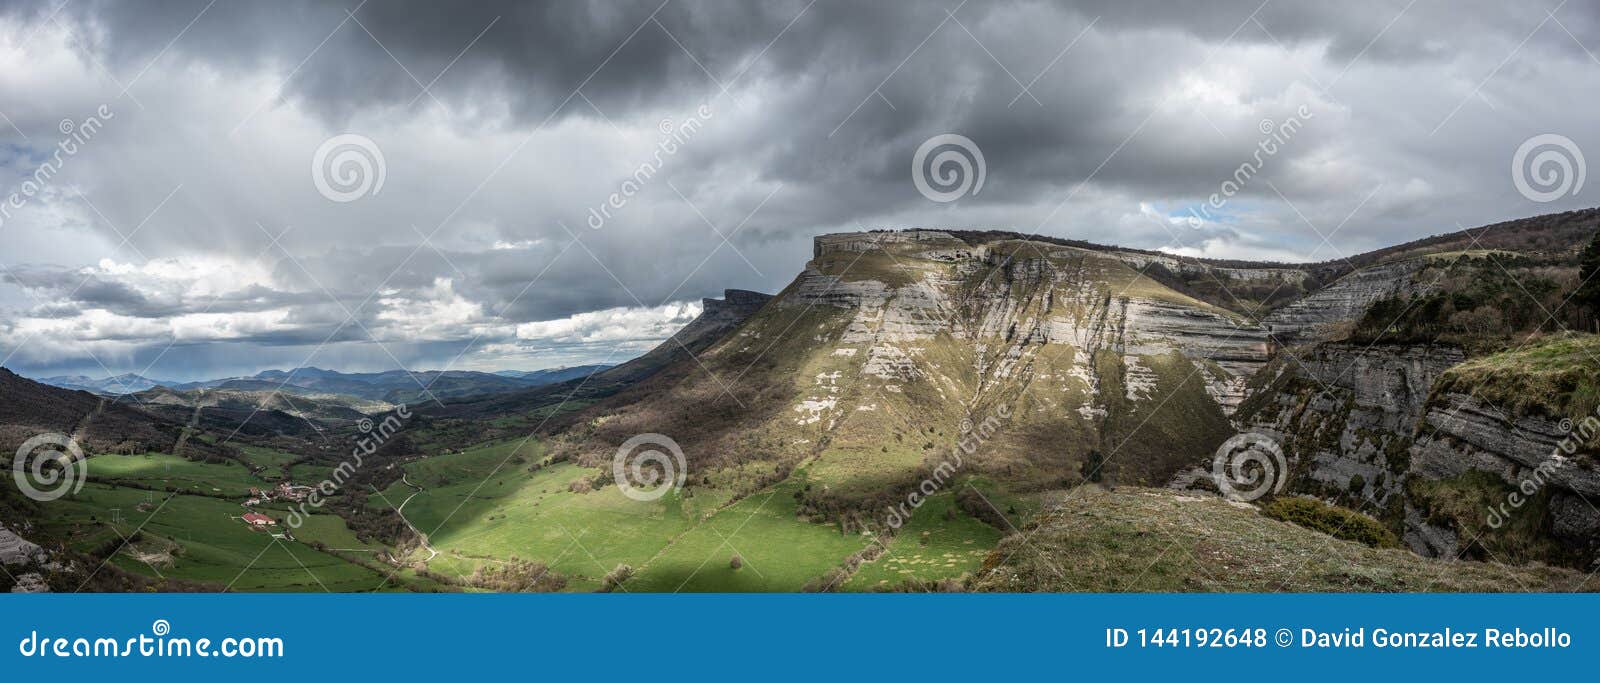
(717, 318)
(1344, 301)
(1289, 275)
(1359, 425)
(18, 551)
(1350, 411)
(1533, 455)
(1237, 348)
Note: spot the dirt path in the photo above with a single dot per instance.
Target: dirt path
(400, 510)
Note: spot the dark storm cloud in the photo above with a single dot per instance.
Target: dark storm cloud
(1417, 109)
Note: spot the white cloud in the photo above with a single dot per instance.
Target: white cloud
(612, 325)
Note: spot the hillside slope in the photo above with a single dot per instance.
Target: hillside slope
(890, 346)
(1161, 541)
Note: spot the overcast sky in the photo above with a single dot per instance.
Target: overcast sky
(187, 233)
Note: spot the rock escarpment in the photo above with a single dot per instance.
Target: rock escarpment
(1343, 302)
(888, 347)
(1399, 433)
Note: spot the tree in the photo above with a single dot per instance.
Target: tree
(1092, 466)
(736, 562)
(1588, 294)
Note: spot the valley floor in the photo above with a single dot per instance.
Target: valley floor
(503, 503)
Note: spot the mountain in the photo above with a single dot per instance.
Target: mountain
(554, 375)
(256, 405)
(127, 383)
(98, 423)
(537, 406)
(393, 386)
(941, 410)
(1392, 381)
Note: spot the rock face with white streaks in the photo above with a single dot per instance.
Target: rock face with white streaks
(23, 561)
(1532, 454)
(1343, 301)
(18, 551)
(1352, 411)
(1366, 423)
(889, 345)
(1079, 337)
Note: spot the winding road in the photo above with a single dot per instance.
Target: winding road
(400, 510)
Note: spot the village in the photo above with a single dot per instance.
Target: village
(284, 491)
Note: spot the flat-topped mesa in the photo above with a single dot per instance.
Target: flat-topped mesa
(735, 303)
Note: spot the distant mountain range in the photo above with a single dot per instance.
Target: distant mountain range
(128, 383)
(394, 386)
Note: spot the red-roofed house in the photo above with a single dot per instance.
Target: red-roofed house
(258, 519)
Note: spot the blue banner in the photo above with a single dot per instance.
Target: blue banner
(797, 637)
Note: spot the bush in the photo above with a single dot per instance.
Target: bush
(1338, 522)
(736, 562)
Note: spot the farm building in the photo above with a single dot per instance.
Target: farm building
(258, 519)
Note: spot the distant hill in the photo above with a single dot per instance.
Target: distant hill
(390, 387)
(553, 375)
(718, 318)
(99, 423)
(264, 409)
(127, 383)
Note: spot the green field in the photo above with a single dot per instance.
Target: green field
(489, 505)
(270, 461)
(779, 551)
(535, 516)
(163, 471)
(475, 514)
(929, 547)
(201, 539)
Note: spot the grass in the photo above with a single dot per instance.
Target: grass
(1156, 540)
(1557, 377)
(1466, 502)
(779, 551)
(1336, 521)
(271, 461)
(929, 547)
(201, 539)
(163, 471)
(474, 518)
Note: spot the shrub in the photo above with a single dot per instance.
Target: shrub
(1335, 521)
(736, 562)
